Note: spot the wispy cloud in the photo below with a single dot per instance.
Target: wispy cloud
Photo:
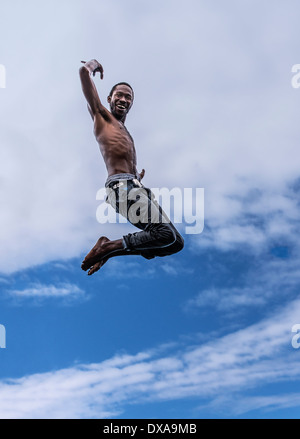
(175, 268)
(39, 292)
(130, 268)
(267, 403)
(228, 299)
(222, 368)
(276, 278)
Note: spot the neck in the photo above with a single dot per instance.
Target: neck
(122, 120)
(119, 119)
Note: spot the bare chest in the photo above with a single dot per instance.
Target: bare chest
(115, 137)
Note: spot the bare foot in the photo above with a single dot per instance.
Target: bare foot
(101, 252)
(98, 265)
(95, 268)
(95, 255)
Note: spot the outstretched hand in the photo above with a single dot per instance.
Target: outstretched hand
(93, 67)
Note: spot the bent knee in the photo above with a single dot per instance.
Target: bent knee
(164, 235)
(174, 240)
(178, 244)
(168, 238)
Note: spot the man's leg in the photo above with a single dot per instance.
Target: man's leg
(149, 244)
(158, 237)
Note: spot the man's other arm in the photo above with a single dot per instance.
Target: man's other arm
(89, 89)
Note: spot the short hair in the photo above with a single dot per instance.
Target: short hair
(120, 83)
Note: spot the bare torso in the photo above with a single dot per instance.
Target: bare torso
(116, 145)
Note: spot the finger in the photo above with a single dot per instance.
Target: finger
(98, 69)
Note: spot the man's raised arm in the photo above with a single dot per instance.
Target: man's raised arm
(88, 86)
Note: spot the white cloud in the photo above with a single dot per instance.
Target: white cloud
(39, 291)
(222, 368)
(228, 299)
(274, 280)
(267, 403)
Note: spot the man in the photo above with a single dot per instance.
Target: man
(158, 236)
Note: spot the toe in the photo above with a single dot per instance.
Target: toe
(95, 268)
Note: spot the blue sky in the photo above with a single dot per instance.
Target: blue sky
(207, 332)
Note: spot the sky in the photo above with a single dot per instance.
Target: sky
(212, 331)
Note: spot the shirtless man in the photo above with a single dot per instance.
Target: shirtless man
(156, 238)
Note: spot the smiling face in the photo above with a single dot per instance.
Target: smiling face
(121, 101)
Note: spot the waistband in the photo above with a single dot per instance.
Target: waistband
(117, 177)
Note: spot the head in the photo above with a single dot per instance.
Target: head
(120, 100)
